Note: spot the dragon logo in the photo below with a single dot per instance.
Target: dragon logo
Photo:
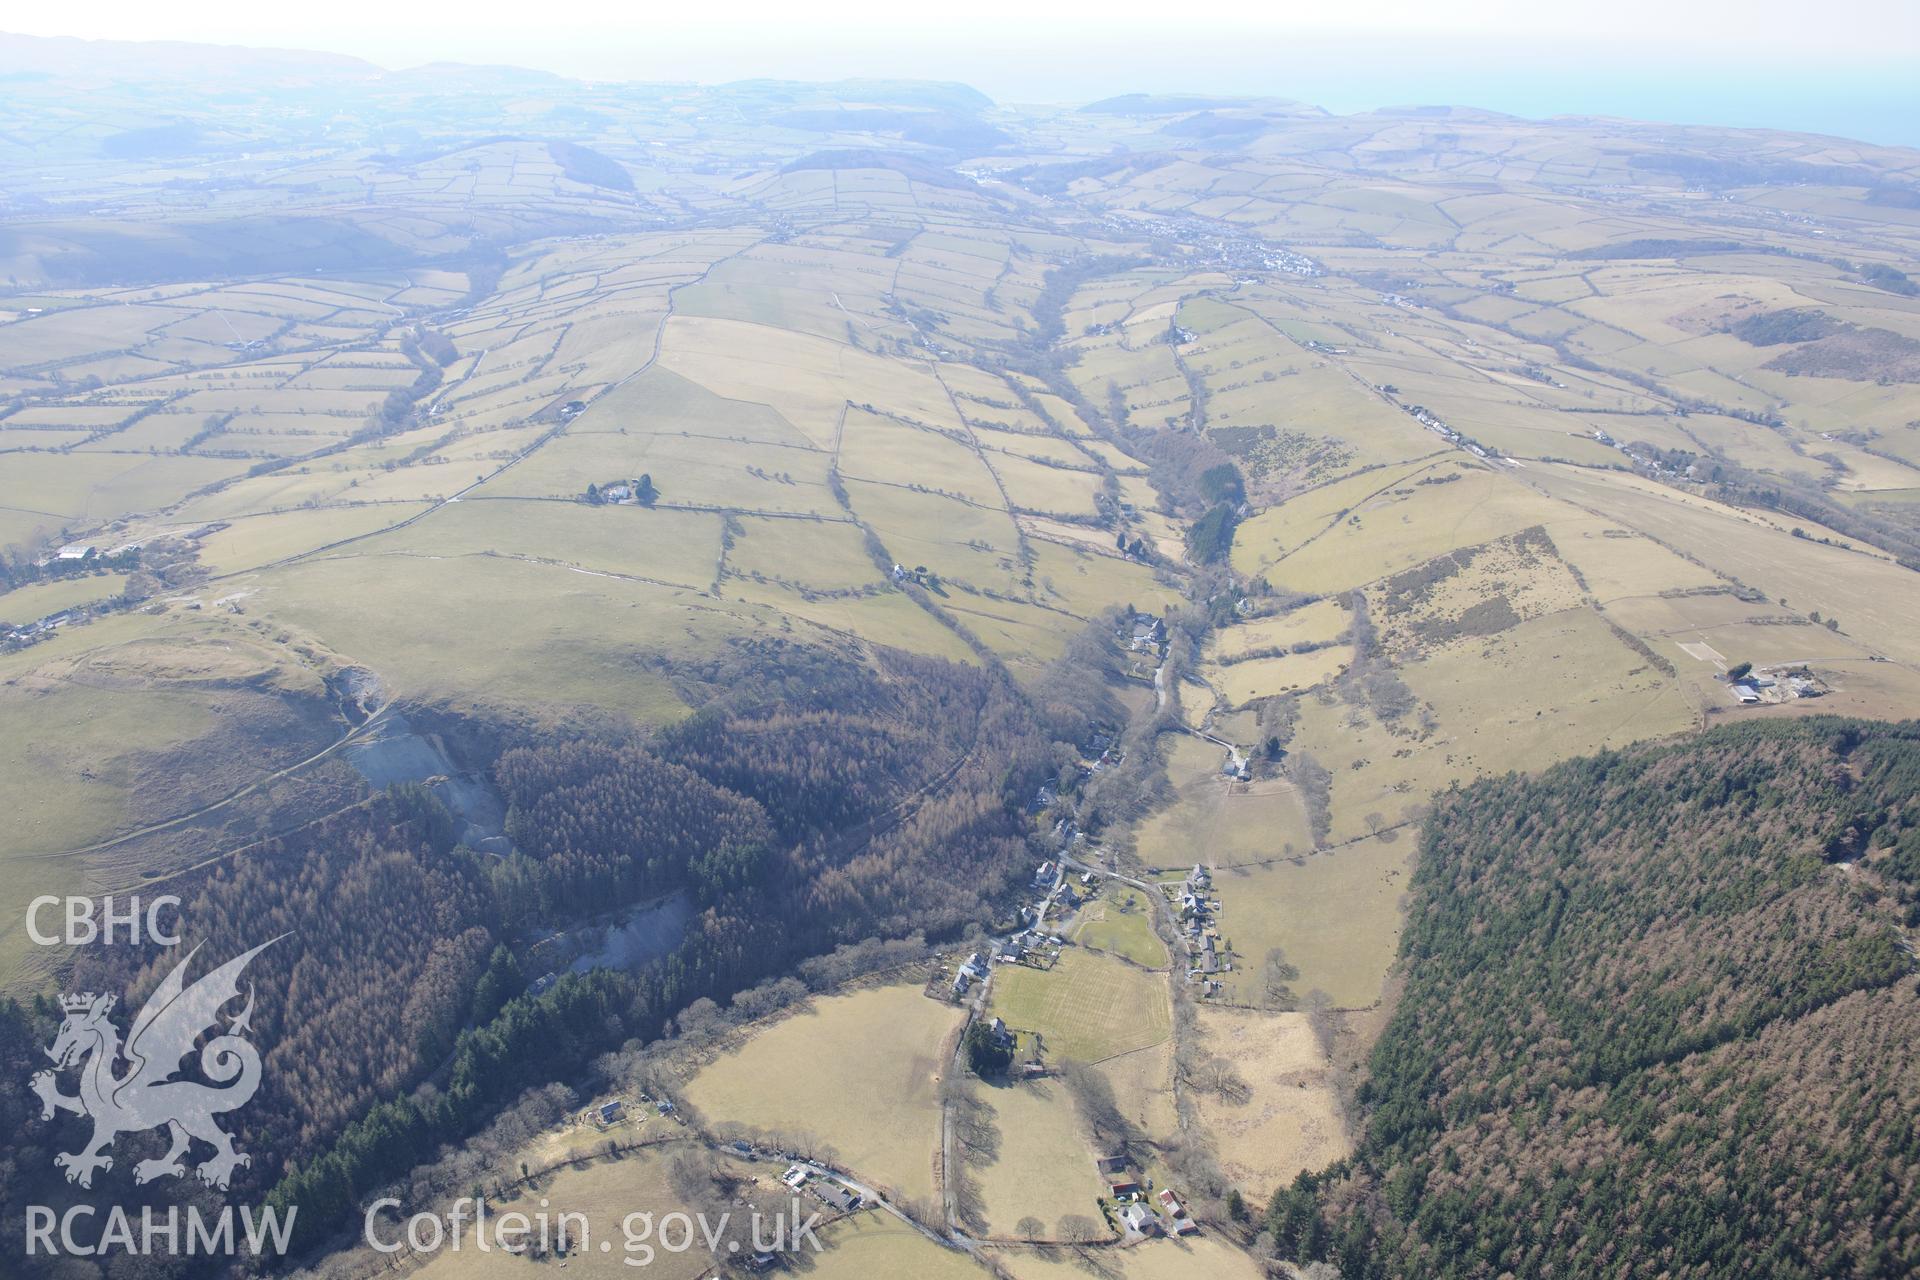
(147, 1096)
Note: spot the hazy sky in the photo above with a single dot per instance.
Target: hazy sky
(1842, 66)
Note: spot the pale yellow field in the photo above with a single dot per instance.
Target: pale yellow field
(1264, 538)
(1045, 1167)
(1186, 1258)
(1553, 687)
(1337, 916)
(251, 541)
(1619, 564)
(1874, 600)
(871, 1245)
(1316, 623)
(1217, 823)
(816, 555)
(606, 1192)
(1241, 682)
(497, 631)
(1397, 530)
(887, 451)
(1034, 486)
(857, 1070)
(1142, 1081)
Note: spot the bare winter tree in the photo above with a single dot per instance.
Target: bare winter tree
(1278, 975)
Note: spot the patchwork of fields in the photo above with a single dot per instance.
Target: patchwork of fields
(1300, 467)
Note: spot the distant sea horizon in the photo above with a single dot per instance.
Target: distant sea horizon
(1874, 100)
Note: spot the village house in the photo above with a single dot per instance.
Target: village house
(1149, 633)
(611, 1111)
(835, 1196)
(1140, 1220)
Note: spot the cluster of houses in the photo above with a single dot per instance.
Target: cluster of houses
(1205, 960)
(1217, 248)
(27, 631)
(1031, 942)
(1434, 423)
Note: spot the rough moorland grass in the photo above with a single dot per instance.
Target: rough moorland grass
(1289, 1119)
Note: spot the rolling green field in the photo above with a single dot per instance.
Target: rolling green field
(1086, 1008)
(1120, 921)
